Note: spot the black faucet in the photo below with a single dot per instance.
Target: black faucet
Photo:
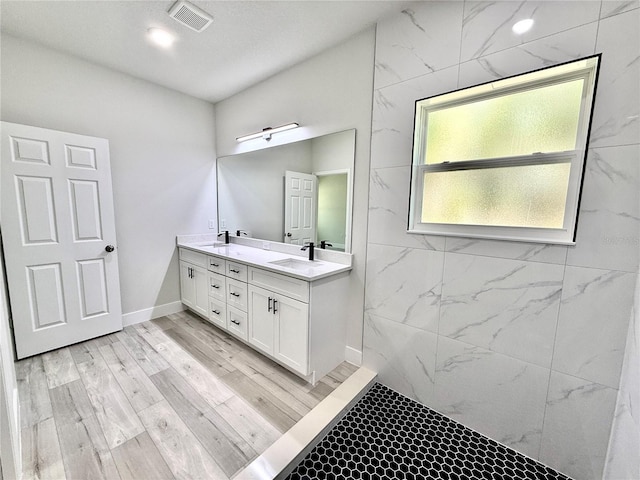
(226, 236)
(310, 247)
(240, 232)
(324, 244)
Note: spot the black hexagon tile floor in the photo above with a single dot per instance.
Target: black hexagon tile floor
(386, 435)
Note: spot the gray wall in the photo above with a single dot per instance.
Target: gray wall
(162, 155)
(522, 342)
(251, 188)
(328, 93)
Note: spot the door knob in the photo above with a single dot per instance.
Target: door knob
(288, 234)
(109, 248)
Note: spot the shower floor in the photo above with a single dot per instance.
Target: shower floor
(386, 435)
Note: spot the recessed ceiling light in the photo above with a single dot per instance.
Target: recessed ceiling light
(522, 26)
(160, 37)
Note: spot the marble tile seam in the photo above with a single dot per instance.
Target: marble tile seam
(546, 368)
(462, 62)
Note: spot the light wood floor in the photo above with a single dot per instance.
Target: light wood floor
(171, 398)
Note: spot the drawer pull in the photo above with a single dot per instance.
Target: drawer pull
(214, 265)
(215, 286)
(217, 312)
(234, 294)
(274, 306)
(235, 323)
(269, 307)
(234, 271)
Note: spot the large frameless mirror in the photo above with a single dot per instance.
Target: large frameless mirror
(293, 193)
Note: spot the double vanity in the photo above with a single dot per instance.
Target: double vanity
(270, 296)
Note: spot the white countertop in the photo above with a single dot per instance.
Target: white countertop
(261, 258)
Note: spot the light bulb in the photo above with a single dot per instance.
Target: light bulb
(522, 26)
(160, 37)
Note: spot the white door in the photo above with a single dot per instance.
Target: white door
(59, 237)
(300, 199)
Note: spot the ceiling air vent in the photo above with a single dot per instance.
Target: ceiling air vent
(190, 16)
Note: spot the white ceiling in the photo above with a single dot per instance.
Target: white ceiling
(247, 42)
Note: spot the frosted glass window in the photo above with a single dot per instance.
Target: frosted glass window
(537, 120)
(530, 196)
(504, 159)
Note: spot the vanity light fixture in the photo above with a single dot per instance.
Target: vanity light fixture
(267, 132)
(160, 37)
(522, 26)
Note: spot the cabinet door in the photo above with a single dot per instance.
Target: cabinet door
(292, 333)
(201, 286)
(187, 285)
(261, 319)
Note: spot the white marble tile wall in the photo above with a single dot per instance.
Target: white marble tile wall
(593, 324)
(405, 357)
(622, 458)
(507, 306)
(577, 423)
(522, 342)
(495, 394)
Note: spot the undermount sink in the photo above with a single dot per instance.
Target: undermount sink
(209, 244)
(295, 264)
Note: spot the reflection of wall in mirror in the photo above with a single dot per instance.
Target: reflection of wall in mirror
(332, 210)
(251, 188)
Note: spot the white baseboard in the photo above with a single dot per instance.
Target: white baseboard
(149, 313)
(353, 356)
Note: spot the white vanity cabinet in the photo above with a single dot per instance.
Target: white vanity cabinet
(300, 324)
(193, 281)
(279, 326)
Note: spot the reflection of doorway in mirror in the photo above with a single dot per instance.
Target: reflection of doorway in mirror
(300, 200)
(333, 207)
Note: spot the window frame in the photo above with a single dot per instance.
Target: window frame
(494, 89)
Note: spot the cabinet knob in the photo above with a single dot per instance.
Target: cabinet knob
(109, 248)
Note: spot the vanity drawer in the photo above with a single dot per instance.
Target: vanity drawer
(195, 258)
(218, 312)
(217, 265)
(237, 294)
(237, 271)
(289, 286)
(237, 322)
(217, 286)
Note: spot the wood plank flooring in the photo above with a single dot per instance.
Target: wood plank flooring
(171, 398)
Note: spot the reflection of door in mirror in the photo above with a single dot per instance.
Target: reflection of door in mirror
(333, 205)
(300, 199)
